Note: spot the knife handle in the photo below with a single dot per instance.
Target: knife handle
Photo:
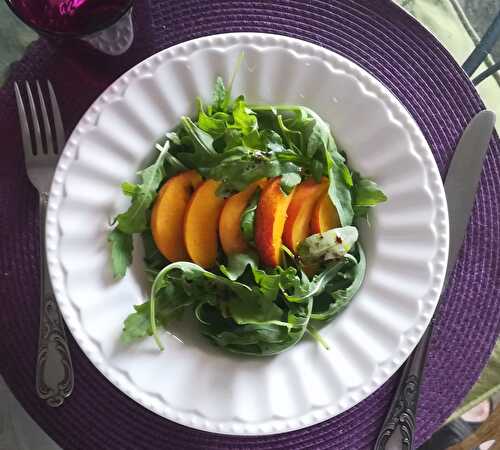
(402, 413)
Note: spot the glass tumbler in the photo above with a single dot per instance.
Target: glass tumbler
(104, 24)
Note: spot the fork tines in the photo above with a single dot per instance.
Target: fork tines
(33, 135)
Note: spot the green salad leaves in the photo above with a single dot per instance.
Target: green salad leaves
(240, 305)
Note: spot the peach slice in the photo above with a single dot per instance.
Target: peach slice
(200, 223)
(270, 220)
(297, 226)
(230, 234)
(167, 217)
(324, 216)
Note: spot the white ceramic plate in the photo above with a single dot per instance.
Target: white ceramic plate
(192, 382)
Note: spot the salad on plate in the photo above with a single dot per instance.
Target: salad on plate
(248, 221)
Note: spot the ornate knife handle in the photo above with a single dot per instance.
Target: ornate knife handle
(402, 413)
(54, 369)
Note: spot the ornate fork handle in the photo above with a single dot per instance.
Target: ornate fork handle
(402, 413)
(54, 369)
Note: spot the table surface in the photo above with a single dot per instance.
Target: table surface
(481, 13)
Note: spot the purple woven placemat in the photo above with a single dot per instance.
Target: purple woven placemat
(392, 46)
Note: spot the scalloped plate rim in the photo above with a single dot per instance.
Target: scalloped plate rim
(53, 234)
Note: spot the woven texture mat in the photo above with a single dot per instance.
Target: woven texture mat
(375, 34)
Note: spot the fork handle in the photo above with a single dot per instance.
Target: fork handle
(54, 369)
(398, 430)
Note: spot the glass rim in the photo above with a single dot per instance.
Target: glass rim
(62, 34)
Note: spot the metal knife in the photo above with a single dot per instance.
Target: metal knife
(461, 183)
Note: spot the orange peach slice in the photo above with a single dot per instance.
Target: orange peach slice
(230, 234)
(200, 224)
(300, 211)
(270, 220)
(324, 216)
(167, 217)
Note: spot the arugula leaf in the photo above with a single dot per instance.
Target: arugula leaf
(202, 141)
(293, 138)
(248, 339)
(317, 169)
(171, 300)
(338, 190)
(263, 339)
(173, 137)
(291, 284)
(270, 137)
(175, 165)
(243, 304)
(214, 124)
(301, 120)
(219, 95)
(340, 298)
(289, 181)
(253, 140)
(330, 245)
(232, 138)
(121, 252)
(320, 281)
(318, 139)
(211, 124)
(237, 264)
(227, 97)
(134, 220)
(190, 272)
(268, 284)
(238, 172)
(247, 220)
(260, 310)
(366, 194)
(153, 258)
(317, 337)
(346, 174)
(244, 118)
(136, 325)
(338, 172)
(129, 189)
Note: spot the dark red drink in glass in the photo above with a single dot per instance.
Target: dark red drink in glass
(69, 18)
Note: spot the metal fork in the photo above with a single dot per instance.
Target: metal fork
(54, 369)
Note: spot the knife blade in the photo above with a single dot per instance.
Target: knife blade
(461, 184)
(462, 180)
